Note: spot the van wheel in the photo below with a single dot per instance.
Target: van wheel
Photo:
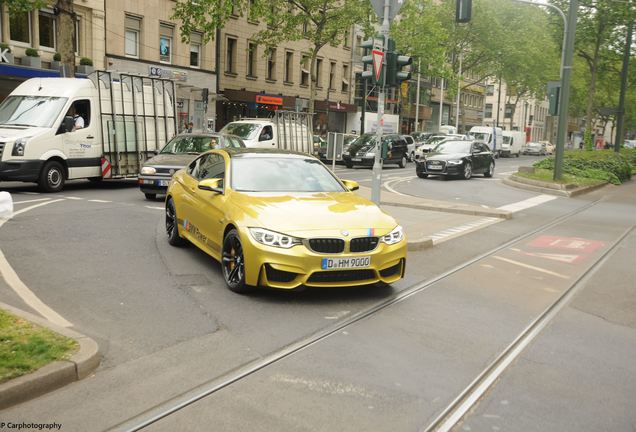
(52, 177)
(402, 163)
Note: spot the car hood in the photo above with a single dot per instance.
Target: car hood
(13, 133)
(446, 157)
(307, 214)
(170, 160)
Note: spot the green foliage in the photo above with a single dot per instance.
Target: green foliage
(604, 165)
(57, 57)
(85, 61)
(4, 46)
(32, 52)
(587, 140)
(25, 347)
(24, 5)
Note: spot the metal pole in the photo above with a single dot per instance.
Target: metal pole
(441, 106)
(498, 102)
(417, 97)
(621, 99)
(459, 87)
(565, 89)
(377, 163)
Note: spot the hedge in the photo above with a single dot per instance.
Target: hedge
(607, 165)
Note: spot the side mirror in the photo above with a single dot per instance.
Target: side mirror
(212, 185)
(351, 185)
(67, 124)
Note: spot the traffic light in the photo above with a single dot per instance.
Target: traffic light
(367, 59)
(463, 9)
(395, 63)
(554, 87)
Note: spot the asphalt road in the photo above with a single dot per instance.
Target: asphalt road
(166, 323)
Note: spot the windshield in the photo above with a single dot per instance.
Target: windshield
(481, 136)
(450, 147)
(276, 174)
(366, 141)
(34, 111)
(190, 144)
(507, 139)
(243, 130)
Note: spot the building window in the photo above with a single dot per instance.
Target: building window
(358, 47)
(230, 56)
(76, 42)
(319, 73)
(304, 70)
(166, 33)
(46, 27)
(131, 37)
(20, 27)
(490, 90)
(345, 78)
(332, 75)
(251, 59)
(195, 49)
(271, 64)
(289, 66)
(346, 43)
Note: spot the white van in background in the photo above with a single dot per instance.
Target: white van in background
(512, 143)
(493, 136)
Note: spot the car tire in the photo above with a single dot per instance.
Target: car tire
(467, 171)
(412, 157)
(172, 225)
(52, 177)
(233, 263)
(348, 164)
(402, 163)
(150, 196)
(491, 169)
(422, 175)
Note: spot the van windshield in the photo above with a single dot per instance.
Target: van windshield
(507, 139)
(481, 136)
(244, 130)
(31, 111)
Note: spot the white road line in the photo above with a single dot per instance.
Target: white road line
(73, 198)
(401, 179)
(526, 204)
(449, 233)
(99, 201)
(29, 193)
(154, 208)
(30, 201)
(506, 173)
(16, 284)
(531, 267)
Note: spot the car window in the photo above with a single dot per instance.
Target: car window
(476, 147)
(231, 141)
(212, 167)
(193, 168)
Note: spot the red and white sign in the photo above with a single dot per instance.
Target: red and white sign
(378, 59)
(106, 168)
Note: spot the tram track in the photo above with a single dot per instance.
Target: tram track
(465, 400)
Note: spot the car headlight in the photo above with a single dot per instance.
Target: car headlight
(148, 170)
(19, 146)
(370, 154)
(273, 238)
(455, 162)
(394, 236)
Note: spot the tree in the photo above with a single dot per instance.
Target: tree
(65, 26)
(320, 22)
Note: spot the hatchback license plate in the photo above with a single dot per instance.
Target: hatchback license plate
(345, 263)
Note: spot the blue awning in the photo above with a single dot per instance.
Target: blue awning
(26, 72)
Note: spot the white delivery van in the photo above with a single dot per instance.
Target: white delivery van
(447, 129)
(285, 130)
(512, 143)
(125, 121)
(493, 136)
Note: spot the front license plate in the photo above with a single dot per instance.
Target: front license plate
(345, 263)
(356, 160)
(163, 182)
(434, 167)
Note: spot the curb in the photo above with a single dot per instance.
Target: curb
(450, 208)
(53, 375)
(549, 188)
(419, 244)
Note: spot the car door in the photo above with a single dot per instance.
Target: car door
(478, 157)
(82, 146)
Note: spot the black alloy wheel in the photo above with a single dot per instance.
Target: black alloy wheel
(467, 171)
(52, 177)
(172, 228)
(233, 263)
(491, 170)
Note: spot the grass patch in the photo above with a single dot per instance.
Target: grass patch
(606, 165)
(546, 175)
(25, 347)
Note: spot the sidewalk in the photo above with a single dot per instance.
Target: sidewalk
(423, 218)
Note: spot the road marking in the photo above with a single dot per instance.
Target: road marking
(99, 201)
(154, 208)
(396, 181)
(13, 280)
(531, 267)
(73, 198)
(449, 233)
(29, 193)
(507, 173)
(30, 201)
(526, 204)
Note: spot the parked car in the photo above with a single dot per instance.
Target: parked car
(410, 146)
(457, 158)
(252, 214)
(549, 147)
(631, 144)
(347, 140)
(180, 150)
(362, 151)
(535, 148)
(421, 137)
(432, 141)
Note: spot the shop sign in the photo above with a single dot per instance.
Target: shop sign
(157, 72)
(269, 100)
(3, 58)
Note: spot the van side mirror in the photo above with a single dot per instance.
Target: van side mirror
(212, 185)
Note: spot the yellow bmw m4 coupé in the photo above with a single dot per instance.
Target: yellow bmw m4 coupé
(281, 219)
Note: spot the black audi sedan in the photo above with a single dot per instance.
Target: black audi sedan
(457, 158)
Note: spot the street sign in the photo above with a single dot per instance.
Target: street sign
(394, 8)
(378, 58)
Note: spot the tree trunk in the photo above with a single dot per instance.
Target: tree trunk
(66, 36)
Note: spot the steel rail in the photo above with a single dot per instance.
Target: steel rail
(177, 403)
(469, 397)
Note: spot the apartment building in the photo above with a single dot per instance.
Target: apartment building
(142, 38)
(255, 81)
(37, 29)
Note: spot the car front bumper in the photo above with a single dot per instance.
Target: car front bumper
(153, 184)
(450, 170)
(290, 268)
(21, 170)
(360, 161)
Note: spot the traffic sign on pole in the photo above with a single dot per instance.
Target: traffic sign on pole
(378, 60)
